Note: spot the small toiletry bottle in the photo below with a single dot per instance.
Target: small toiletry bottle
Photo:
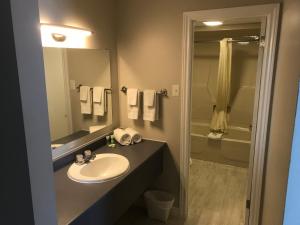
(112, 141)
(108, 140)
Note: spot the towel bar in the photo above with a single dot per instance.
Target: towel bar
(105, 89)
(162, 92)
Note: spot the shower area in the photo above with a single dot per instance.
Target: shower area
(225, 62)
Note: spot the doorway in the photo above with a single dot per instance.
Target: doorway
(227, 79)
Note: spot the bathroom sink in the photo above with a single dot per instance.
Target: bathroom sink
(102, 168)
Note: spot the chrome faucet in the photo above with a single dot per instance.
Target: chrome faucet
(86, 157)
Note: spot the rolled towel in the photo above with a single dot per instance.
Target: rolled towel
(215, 136)
(122, 136)
(135, 136)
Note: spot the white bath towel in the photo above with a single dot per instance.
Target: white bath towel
(84, 90)
(99, 101)
(135, 136)
(149, 96)
(151, 113)
(132, 96)
(122, 136)
(85, 100)
(133, 103)
(215, 136)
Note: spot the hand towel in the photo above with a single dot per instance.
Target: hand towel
(151, 113)
(99, 101)
(84, 90)
(85, 100)
(122, 136)
(132, 96)
(133, 103)
(149, 97)
(135, 136)
(215, 136)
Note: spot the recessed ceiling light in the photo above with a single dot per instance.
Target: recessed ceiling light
(212, 23)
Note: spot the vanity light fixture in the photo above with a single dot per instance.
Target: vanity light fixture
(63, 36)
(59, 37)
(213, 23)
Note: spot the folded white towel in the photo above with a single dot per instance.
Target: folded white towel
(97, 94)
(122, 136)
(149, 96)
(85, 105)
(84, 90)
(151, 113)
(135, 136)
(132, 96)
(133, 110)
(215, 136)
(99, 101)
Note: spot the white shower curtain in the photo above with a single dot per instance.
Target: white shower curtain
(220, 117)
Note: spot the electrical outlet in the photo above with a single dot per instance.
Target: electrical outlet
(175, 90)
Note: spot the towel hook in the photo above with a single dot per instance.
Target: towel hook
(124, 89)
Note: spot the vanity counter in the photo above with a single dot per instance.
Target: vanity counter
(103, 203)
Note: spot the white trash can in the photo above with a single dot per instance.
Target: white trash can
(159, 204)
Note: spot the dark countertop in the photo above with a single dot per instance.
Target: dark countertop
(73, 198)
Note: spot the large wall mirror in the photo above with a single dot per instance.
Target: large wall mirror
(78, 84)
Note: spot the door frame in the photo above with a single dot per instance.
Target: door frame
(270, 14)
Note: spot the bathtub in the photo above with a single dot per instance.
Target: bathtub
(232, 149)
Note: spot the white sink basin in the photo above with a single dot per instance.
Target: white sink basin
(104, 167)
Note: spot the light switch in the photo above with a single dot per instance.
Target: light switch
(175, 90)
(72, 84)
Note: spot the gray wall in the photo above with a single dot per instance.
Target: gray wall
(28, 129)
(148, 26)
(91, 68)
(144, 27)
(283, 114)
(149, 56)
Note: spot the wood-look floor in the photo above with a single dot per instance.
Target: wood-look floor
(138, 216)
(217, 194)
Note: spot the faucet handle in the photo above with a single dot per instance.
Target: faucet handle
(79, 159)
(87, 153)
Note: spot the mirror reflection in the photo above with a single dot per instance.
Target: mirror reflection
(78, 84)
